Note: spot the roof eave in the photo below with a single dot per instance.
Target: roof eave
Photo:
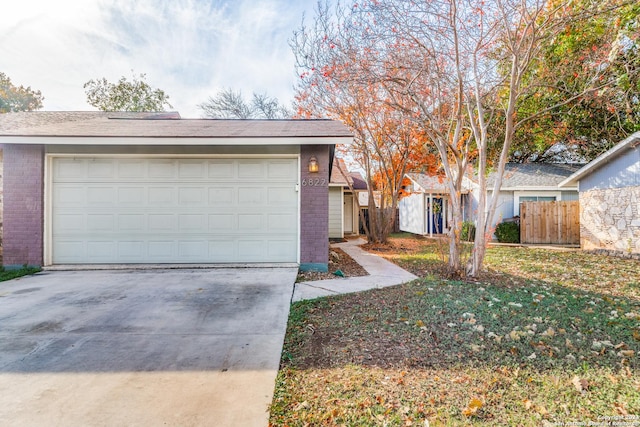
(632, 141)
(176, 140)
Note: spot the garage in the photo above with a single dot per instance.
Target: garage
(90, 188)
(173, 210)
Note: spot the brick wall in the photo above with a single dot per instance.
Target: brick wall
(314, 209)
(610, 219)
(23, 204)
(1, 174)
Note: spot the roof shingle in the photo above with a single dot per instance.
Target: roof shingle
(534, 174)
(103, 124)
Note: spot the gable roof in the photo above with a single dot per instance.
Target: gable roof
(353, 178)
(436, 183)
(522, 176)
(617, 150)
(23, 127)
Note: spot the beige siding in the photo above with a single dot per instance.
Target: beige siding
(335, 212)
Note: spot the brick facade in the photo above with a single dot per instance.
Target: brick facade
(610, 219)
(314, 209)
(23, 204)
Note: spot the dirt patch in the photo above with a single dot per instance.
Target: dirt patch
(410, 243)
(339, 260)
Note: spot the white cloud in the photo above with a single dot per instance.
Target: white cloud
(189, 48)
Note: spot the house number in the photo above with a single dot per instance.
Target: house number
(318, 182)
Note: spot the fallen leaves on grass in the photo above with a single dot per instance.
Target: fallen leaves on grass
(472, 408)
(580, 384)
(530, 349)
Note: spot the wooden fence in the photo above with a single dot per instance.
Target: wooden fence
(550, 222)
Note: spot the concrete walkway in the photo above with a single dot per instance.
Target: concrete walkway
(382, 273)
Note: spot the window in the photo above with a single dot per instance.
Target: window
(537, 199)
(532, 196)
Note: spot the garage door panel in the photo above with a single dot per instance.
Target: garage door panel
(174, 210)
(70, 195)
(162, 169)
(250, 222)
(192, 250)
(281, 169)
(280, 250)
(97, 222)
(192, 169)
(223, 250)
(101, 195)
(192, 222)
(161, 222)
(250, 196)
(134, 196)
(222, 222)
(99, 250)
(219, 196)
(252, 249)
(100, 168)
(70, 169)
(222, 170)
(132, 222)
(132, 169)
(191, 196)
(281, 196)
(70, 222)
(161, 250)
(67, 250)
(251, 169)
(279, 222)
(161, 195)
(132, 249)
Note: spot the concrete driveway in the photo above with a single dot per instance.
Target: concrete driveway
(180, 347)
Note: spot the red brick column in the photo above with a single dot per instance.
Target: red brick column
(23, 205)
(314, 209)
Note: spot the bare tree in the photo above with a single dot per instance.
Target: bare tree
(449, 66)
(230, 104)
(333, 84)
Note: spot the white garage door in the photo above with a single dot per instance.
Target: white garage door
(157, 210)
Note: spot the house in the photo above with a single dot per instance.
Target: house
(609, 190)
(145, 188)
(525, 182)
(344, 190)
(427, 208)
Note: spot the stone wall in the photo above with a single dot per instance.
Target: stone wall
(610, 219)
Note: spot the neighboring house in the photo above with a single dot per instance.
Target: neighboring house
(344, 187)
(525, 182)
(144, 188)
(610, 198)
(427, 208)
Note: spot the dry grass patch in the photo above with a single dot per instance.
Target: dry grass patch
(532, 342)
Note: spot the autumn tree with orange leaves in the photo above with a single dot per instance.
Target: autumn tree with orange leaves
(387, 143)
(448, 67)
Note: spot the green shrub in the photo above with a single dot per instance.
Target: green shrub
(468, 231)
(508, 232)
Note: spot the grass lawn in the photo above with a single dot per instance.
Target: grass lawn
(13, 274)
(544, 338)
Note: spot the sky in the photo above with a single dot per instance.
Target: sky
(191, 49)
